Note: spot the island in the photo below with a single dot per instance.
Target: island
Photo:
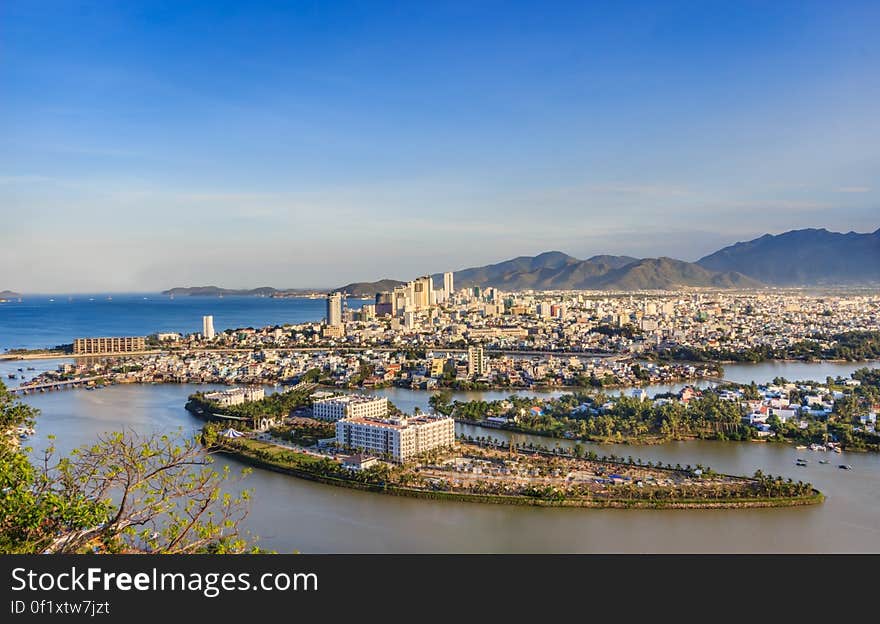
(288, 432)
(216, 291)
(6, 295)
(835, 414)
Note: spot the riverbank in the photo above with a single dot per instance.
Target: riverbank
(255, 453)
(63, 355)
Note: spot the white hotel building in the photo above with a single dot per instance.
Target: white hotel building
(400, 438)
(350, 406)
(236, 396)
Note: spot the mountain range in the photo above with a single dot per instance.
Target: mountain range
(810, 257)
(555, 270)
(803, 258)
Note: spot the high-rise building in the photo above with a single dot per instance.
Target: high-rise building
(422, 292)
(448, 285)
(334, 309)
(367, 312)
(208, 327)
(401, 299)
(476, 361)
(384, 304)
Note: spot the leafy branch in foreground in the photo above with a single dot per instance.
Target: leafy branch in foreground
(128, 492)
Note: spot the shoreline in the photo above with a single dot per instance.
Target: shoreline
(633, 442)
(585, 503)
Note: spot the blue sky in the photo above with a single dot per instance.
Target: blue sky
(150, 144)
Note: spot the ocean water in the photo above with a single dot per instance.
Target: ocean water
(43, 321)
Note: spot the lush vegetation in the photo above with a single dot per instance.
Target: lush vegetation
(277, 405)
(427, 478)
(595, 417)
(627, 419)
(124, 493)
(305, 431)
(850, 346)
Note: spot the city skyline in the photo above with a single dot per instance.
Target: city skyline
(311, 146)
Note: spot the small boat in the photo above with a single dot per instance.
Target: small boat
(837, 449)
(31, 368)
(845, 467)
(801, 447)
(823, 461)
(11, 375)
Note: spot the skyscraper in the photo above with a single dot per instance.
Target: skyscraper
(422, 292)
(208, 327)
(334, 309)
(476, 361)
(448, 284)
(384, 304)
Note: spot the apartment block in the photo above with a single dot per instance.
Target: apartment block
(350, 406)
(401, 439)
(98, 346)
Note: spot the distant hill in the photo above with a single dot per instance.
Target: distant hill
(516, 270)
(615, 262)
(555, 271)
(8, 294)
(803, 257)
(369, 289)
(667, 273)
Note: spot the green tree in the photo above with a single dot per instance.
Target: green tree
(125, 493)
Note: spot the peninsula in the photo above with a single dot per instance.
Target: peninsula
(366, 443)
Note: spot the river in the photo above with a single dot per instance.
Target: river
(290, 514)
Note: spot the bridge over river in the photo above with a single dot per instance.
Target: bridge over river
(55, 385)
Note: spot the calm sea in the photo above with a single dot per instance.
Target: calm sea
(41, 321)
